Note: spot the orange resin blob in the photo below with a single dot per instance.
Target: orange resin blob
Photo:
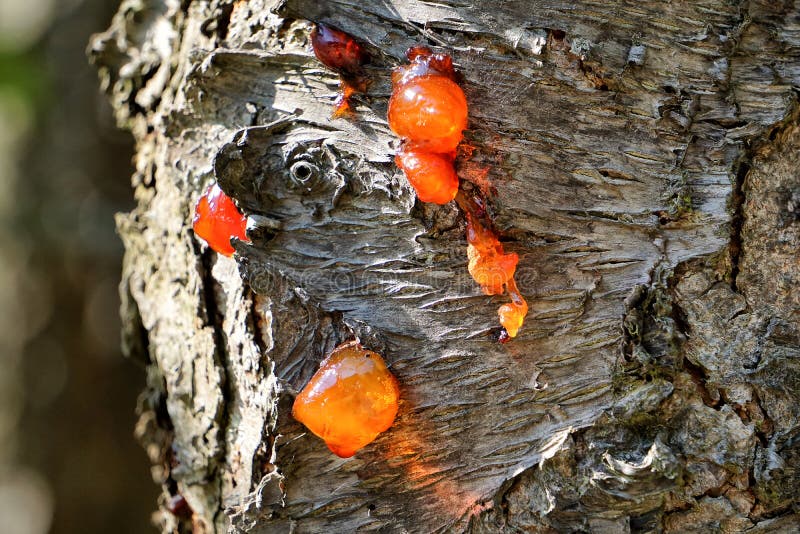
(217, 220)
(491, 271)
(342, 105)
(351, 399)
(489, 265)
(431, 175)
(430, 111)
(512, 317)
(513, 314)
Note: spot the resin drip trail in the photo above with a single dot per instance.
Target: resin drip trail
(428, 110)
(491, 267)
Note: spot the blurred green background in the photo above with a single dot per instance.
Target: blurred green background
(68, 459)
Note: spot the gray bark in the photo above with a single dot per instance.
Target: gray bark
(643, 162)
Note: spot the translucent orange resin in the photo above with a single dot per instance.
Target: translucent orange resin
(217, 220)
(493, 269)
(342, 105)
(428, 109)
(512, 315)
(431, 175)
(351, 399)
(489, 265)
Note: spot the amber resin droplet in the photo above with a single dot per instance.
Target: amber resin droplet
(351, 399)
(427, 107)
(489, 265)
(429, 111)
(512, 315)
(431, 175)
(217, 220)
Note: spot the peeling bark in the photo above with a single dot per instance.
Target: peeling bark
(643, 163)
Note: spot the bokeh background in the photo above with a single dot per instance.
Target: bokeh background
(68, 459)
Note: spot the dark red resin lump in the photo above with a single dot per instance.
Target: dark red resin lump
(337, 50)
(342, 54)
(217, 220)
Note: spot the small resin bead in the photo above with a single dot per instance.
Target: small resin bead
(512, 316)
(337, 50)
(217, 220)
(351, 399)
(431, 175)
(430, 112)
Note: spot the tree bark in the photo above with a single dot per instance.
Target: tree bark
(642, 159)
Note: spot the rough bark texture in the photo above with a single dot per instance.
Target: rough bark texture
(643, 162)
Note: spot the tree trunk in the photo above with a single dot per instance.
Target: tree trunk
(641, 157)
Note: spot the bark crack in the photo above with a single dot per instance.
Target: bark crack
(742, 168)
(213, 318)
